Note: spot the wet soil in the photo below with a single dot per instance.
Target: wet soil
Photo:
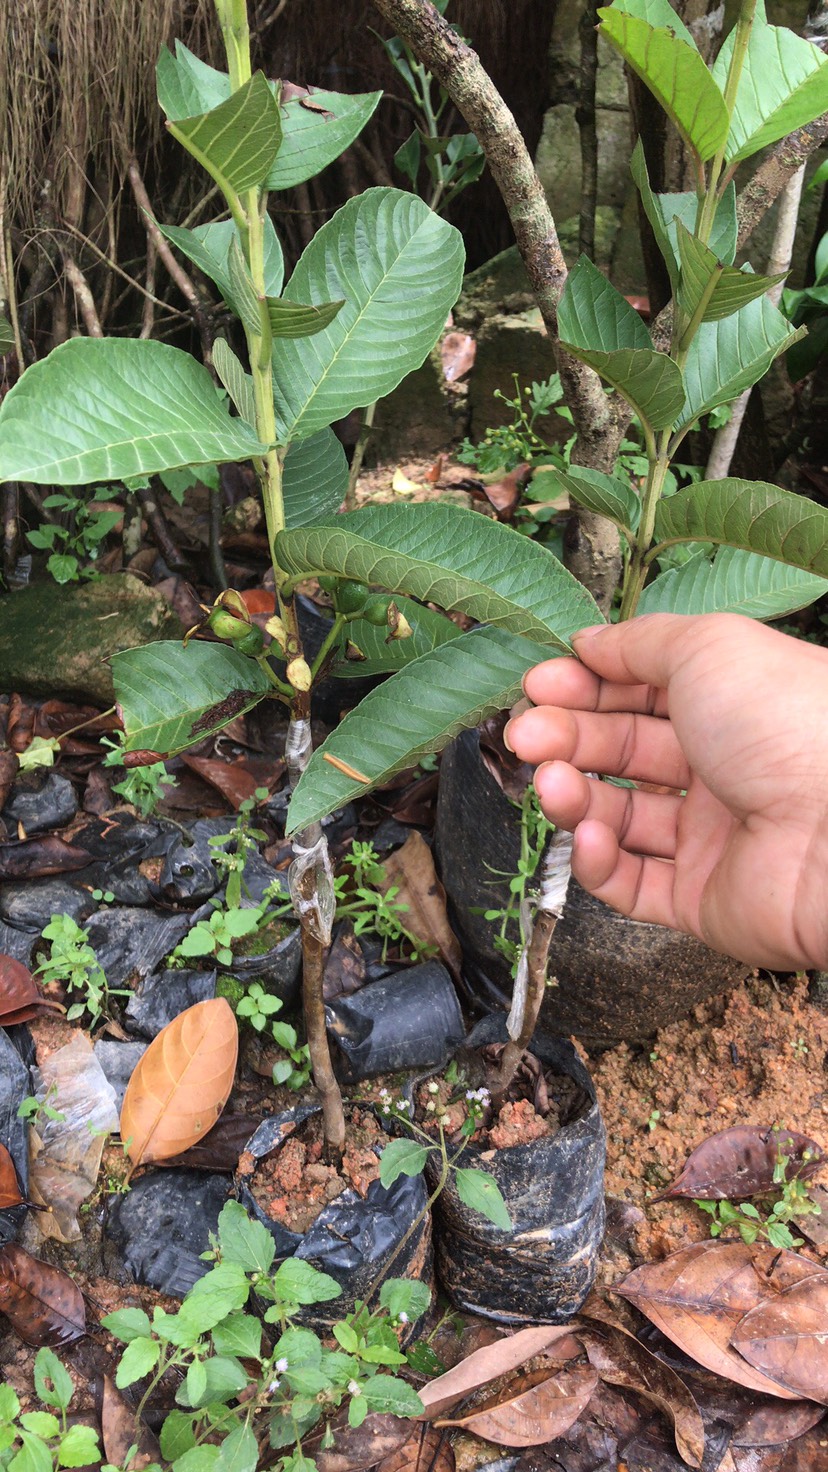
(294, 1184)
(539, 1103)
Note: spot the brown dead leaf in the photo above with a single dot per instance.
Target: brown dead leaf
(42, 1303)
(774, 1422)
(234, 780)
(37, 857)
(121, 1430)
(487, 1364)
(412, 868)
(698, 1295)
(786, 1338)
(415, 803)
(355, 1447)
(457, 353)
(426, 1450)
(182, 1083)
(219, 1149)
(815, 1226)
(504, 494)
(739, 1162)
(620, 1359)
(20, 999)
(9, 1188)
(344, 966)
(534, 1408)
(8, 772)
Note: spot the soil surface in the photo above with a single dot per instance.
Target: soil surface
(293, 1184)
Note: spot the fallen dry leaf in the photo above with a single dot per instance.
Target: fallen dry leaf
(739, 1162)
(487, 1363)
(234, 780)
(535, 1408)
(36, 857)
(621, 1360)
(20, 999)
(412, 868)
(9, 1188)
(8, 772)
(457, 353)
(344, 966)
(403, 486)
(504, 494)
(774, 1422)
(698, 1295)
(42, 1303)
(120, 1431)
(426, 1450)
(787, 1338)
(813, 1226)
(181, 1084)
(355, 1447)
(219, 1149)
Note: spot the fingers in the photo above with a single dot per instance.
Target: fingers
(642, 822)
(650, 650)
(640, 888)
(620, 744)
(568, 683)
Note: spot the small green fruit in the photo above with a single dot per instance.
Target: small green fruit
(327, 582)
(226, 626)
(376, 611)
(351, 597)
(252, 643)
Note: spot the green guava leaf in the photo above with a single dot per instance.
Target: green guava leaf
(607, 494)
(237, 141)
(734, 289)
(315, 131)
(102, 409)
(733, 582)
(753, 515)
(208, 247)
(728, 356)
(783, 86)
(169, 697)
(314, 479)
(457, 559)
(414, 714)
(399, 268)
(238, 383)
(293, 319)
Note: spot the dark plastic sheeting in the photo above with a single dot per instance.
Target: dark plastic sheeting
(163, 1224)
(15, 1086)
(410, 1019)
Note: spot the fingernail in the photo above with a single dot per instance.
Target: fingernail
(506, 742)
(590, 632)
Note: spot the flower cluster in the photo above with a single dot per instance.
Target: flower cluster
(389, 1104)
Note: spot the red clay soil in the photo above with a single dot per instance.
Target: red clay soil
(294, 1184)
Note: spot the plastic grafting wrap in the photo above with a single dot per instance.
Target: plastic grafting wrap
(556, 871)
(311, 884)
(298, 748)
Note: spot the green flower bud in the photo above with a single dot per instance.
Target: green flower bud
(226, 626)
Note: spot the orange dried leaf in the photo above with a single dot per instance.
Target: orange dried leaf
(182, 1083)
(534, 1409)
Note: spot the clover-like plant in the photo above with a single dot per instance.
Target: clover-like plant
(363, 307)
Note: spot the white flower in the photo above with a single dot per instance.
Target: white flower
(274, 1384)
(402, 1317)
(281, 1365)
(354, 1388)
(433, 1088)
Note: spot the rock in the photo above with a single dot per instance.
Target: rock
(58, 640)
(130, 943)
(118, 1061)
(164, 996)
(16, 943)
(31, 905)
(416, 419)
(163, 1224)
(39, 802)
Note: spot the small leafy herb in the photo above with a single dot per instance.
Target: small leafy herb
(73, 963)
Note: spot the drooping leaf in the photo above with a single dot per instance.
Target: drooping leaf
(739, 1162)
(169, 697)
(101, 409)
(186, 85)
(733, 289)
(208, 247)
(416, 712)
(599, 326)
(621, 1360)
(783, 86)
(733, 582)
(293, 319)
(182, 1082)
(454, 558)
(237, 141)
(397, 291)
(43, 1304)
(786, 1339)
(533, 1409)
(313, 137)
(428, 630)
(239, 384)
(728, 356)
(489, 1363)
(607, 494)
(314, 479)
(698, 1295)
(753, 515)
(6, 335)
(243, 291)
(675, 73)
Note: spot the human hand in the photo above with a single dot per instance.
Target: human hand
(736, 716)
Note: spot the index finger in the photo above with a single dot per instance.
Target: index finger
(568, 683)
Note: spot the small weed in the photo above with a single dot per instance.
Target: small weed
(535, 833)
(652, 1122)
(771, 1222)
(74, 545)
(73, 963)
(360, 899)
(34, 1109)
(142, 787)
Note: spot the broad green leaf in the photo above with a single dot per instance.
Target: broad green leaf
(224, 1377)
(293, 319)
(170, 697)
(401, 1158)
(728, 356)
(313, 138)
(300, 1282)
(405, 1295)
(244, 296)
(208, 247)
(239, 1335)
(244, 1241)
(429, 629)
(754, 515)
(314, 479)
(239, 384)
(734, 582)
(48, 1367)
(101, 409)
(399, 269)
(476, 1188)
(177, 1435)
(138, 1359)
(657, 13)
(388, 1394)
(125, 1324)
(186, 85)
(783, 86)
(607, 494)
(239, 1451)
(456, 559)
(9, 1404)
(34, 1455)
(202, 1458)
(42, 1423)
(236, 142)
(414, 714)
(599, 326)
(733, 290)
(220, 1292)
(666, 211)
(79, 1447)
(676, 75)
(6, 335)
